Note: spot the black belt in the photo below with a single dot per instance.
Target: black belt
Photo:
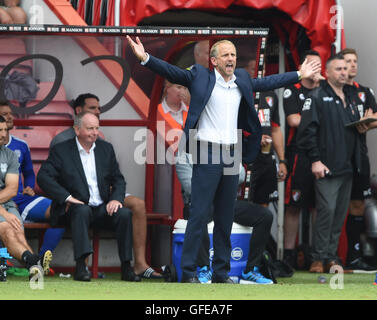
(228, 147)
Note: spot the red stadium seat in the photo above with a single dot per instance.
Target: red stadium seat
(37, 189)
(57, 130)
(58, 108)
(14, 46)
(44, 89)
(5, 59)
(38, 140)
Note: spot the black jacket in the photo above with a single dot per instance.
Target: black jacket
(62, 174)
(322, 134)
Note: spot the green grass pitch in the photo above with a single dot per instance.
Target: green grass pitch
(302, 286)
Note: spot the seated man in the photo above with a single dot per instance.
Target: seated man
(90, 103)
(82, 177)
(246, 214)
(11, 229)
(11, 13)
(32, 207)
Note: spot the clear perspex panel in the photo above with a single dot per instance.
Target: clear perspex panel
(43, 68)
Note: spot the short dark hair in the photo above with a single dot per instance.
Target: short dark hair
(4, 103)
(308, 53)
(348, 51)
(338, 56)
(80, 100)
(2, 119)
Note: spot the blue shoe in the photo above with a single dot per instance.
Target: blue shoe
(205, 275)
(254, 277)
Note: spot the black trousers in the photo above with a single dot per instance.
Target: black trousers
(260, 218)
(82, 217)
(247, 214)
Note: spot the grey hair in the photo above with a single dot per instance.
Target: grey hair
(77, 120)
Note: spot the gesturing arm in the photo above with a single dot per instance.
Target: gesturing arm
(307, 71)
(163, 68)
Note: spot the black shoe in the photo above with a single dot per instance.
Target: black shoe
(129, 275)
(290, 258)
(190, 280)
(222, 280)
(82, 275)
(360, 266)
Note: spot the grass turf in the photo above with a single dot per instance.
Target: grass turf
(302, 286)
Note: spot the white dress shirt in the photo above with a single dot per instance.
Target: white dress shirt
(89, 164)
(218, 121)
(177, 115)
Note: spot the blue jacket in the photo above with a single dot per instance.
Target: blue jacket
(27, 176)
(200, 81)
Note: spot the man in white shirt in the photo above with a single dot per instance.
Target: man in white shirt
(221, 103)
(82, 177)
(88, 102)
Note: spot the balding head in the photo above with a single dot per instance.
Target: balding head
(86, 126)
(201, 53)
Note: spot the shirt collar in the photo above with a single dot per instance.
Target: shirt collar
(219, 78)
(81, 149)
(167, 109)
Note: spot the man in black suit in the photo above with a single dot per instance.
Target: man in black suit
(82, 177)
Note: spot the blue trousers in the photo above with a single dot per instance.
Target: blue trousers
(210, 184)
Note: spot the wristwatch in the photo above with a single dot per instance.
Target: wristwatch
(299, 75)
(283, 161)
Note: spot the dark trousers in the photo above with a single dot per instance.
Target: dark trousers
(249, 215)
(203, 254)
(260, 218)
(209, 185)
(333, 196)
(83, 216)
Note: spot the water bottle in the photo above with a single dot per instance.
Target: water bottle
(3, 269)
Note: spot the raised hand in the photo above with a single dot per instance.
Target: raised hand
(318, 77)
(137, 48)
(308, 70)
